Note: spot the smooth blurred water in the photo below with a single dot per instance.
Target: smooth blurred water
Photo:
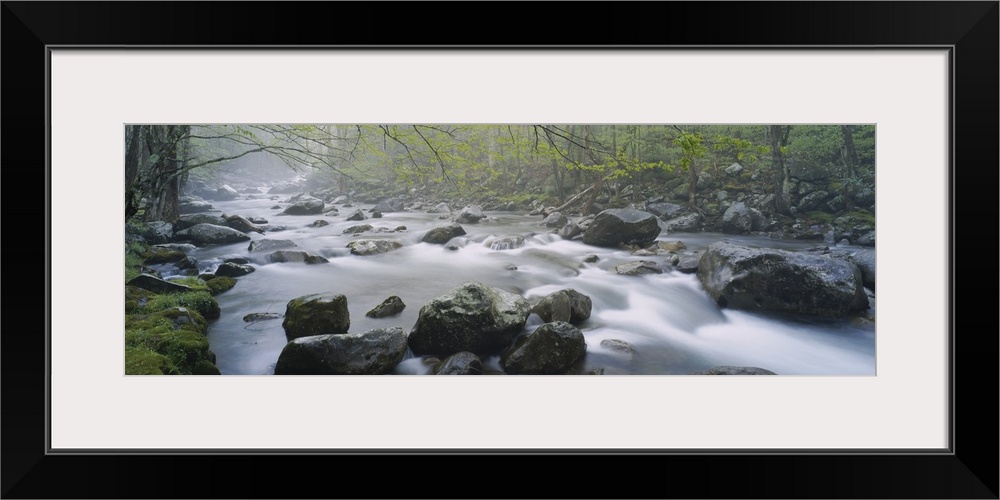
(670, 321)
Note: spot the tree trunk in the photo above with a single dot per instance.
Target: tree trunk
(778, 136)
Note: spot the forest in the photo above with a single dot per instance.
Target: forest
(538, 218)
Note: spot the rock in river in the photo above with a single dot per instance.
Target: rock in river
(389, 307)
(316, 314)
(460, 363)
(442, 234)
(472, 317)
(622, 225)
(765, 279)
(551, 349)
(295, 256)
(210, 234)
(373, 352)
(566, 305)
(306, 205)
(373, 247)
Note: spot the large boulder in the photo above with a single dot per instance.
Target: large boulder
(865, 260)
(295, 256)
(155, 232)
(566, 305)
(442, 234)
(306, 205)
(156, 285)
(555, 220)
(762, 279)
(373, 247)
(685, 223)
(809, 171)
(551, 349)
(267, 245)
(867, 239)
(210, 234)
(471, 317)
(812, 200)
(470, 215)
(193, 206)
(316, 314)
(357, 215)
(622, 226)
(373, 352)
(638, 268)
(440, 208)
(388, 206)
(225, 193)
(233, 270)
(740, 219)
(240, 223)
(187, 221)
(460, 363)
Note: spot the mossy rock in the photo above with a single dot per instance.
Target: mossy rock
(205, 367)
(220, 284)
(200, 301)
(862, 216)
(142, 361)
(160, 255)
(177, 334)
(136, 299)
(820, 217)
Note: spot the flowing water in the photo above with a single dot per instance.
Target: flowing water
(668, 318)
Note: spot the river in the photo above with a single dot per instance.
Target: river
(670, 321)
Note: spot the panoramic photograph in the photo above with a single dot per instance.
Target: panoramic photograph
(500, 249)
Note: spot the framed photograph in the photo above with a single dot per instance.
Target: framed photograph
(908, 90)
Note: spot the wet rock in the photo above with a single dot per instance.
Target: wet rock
(357, 215)
(316, 314)
(472, 317)
(667, 246)
(506, 243)
(740, 219)
(460, 363)
(622, 226)
(295, 256)
(638, 268)
(555, 220)
(762, 279)
(867, 239)
(685, 223)
(155, 232)
(376, 215)
(226, 193)
(258, 317)
(241, 224)
(812, 200)
(735, 370)
(566, 305)
(440, 208)
(233, 270)
(590, 259)
(192, 206)
(664, 210)
(373, 352)
(340, 199)
(157, 285)
(570, 231)
(373, 247)
(210, 234)
(551, 349)
(237, 260)
(306, 205)
(865, 260)
(389, 307)
(319, 223)
(267, 245)
(687, 265)
(618, 346)
(470, 215)
(442, 234)
(358, 229)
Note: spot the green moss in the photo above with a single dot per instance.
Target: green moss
(862, 216)
(136, 299)
(160, 255)
(199, 300)
(175, 334)
(819, 217)
(205, 367)
(134, 259)
(142, 361)
(220, 284)
(192, 282)
(835, 186)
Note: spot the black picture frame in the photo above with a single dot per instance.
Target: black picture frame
(970, 28)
